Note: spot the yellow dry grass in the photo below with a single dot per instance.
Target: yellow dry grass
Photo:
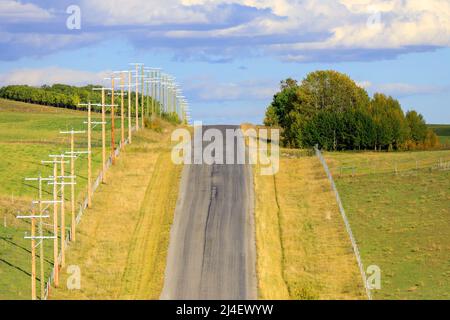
(123, 240)
(271, 283)
(303, 249)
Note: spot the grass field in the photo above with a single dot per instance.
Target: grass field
(363, 163)
(303, 251)
(28, 133)
(401, 221)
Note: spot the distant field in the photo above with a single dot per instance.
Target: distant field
(443, 132)
(401, 220)
(28, 134)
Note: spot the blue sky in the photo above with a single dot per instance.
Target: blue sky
(229, 55)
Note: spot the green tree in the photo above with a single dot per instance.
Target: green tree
(271, 118)
(391, 127)
(330, 90)
(417, 126)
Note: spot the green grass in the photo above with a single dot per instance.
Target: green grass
(28, 134)
(363, 163)
(401, 221)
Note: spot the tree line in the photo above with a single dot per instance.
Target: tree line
(329, 109)
(62, 96)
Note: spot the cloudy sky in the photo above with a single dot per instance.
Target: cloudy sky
(229, 55)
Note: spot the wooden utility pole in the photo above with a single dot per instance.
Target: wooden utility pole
(41, 234)
(72, 189)
(89, 152)
(152, 76)
(63, 216)
(32, 217)
(62, 176)
(122, 119)
(103, 137)
(33, 255)
(137, 98)
(72, 156)
(129, 106)
(113, 144)
(142, 99)
(33, 238)
(161, 95)
(55, 225)
(89, 157)
(169, 98)
(147, 111)
(103, 106)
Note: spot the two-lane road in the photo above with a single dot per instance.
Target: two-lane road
(212, 246)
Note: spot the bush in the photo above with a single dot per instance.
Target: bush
(153, 123)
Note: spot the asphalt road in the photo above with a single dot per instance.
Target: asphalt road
(212, 246)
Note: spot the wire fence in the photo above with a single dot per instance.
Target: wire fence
(346, 222)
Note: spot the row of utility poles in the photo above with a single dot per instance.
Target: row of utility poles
(156, 95)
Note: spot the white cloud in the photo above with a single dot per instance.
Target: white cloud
(15, 11)
(210, 89)
(350, 24)
(298, 31)
(51, 75)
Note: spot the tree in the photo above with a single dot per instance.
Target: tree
(282, 112)
(58, 95)
(331, 90)
(330, 109)
(417, 126)
(271, 118)
(391, 127)
(431, 140)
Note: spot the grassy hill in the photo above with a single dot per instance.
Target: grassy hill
(28, 134)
